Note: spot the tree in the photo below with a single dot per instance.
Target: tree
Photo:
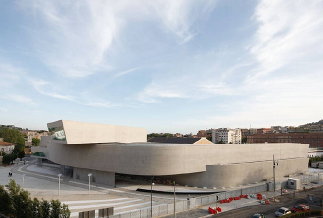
(12, 136)
(35, 141)
(6, 204)
(16, 202)
(56, 208)
(9, 158)
(21, 154)
(36, 209)
(45, 209)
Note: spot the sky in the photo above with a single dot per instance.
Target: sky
(164, 65)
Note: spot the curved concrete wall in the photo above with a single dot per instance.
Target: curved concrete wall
(243, 173)
(164, 159)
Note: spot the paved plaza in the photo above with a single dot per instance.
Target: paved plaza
(42, 182)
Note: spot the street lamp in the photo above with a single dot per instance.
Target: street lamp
(59, 183)
(89, 175)
(275, 163)
(23, 179)
(151, 196)
(174, 200)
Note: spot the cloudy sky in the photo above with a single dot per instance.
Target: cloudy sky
(165, 65)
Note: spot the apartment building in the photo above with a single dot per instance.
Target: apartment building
(33, 134)
(315, 140)
(226, 136)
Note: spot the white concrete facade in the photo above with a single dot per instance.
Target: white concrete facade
(211, 165)
(7, 148)
(227, 136)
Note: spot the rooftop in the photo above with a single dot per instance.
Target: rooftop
(5, 144)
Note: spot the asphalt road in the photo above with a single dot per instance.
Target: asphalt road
(288, 200)
(284, 201)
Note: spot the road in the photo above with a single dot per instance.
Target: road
(284, 201)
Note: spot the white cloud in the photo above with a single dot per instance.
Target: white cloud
(10, 74)
(75, 38)
(162, 90)
(18, 98)
(46, 88)
(289, 32)
(125, 72)
(282, 84)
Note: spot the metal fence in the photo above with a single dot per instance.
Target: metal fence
(314, 178)
(184, 205)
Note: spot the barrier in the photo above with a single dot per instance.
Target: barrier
(167, 209)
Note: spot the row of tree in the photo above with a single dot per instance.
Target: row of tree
(154, 135)
(16, 202)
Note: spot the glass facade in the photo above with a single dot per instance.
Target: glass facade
(58, 133)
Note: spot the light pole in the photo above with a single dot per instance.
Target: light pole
(89, 175)
(275, 163)
(151, 196)
(23, 179)
(59, 183)
(174, 200)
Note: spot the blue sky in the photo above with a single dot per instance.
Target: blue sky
(167, 66)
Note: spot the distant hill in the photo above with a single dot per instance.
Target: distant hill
(318, 123)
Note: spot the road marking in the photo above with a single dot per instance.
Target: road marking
(92, 201)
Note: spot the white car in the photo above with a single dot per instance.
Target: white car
(282, 211)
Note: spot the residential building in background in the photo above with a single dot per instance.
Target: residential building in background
(315, 140)
(6, 146)
(264, 130)
(30, 134)
(226, 136)
(279, 129)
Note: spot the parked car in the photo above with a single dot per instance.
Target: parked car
(258, 215)
(300, 208)
(282, 211)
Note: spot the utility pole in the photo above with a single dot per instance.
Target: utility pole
(275, 163)
(151, 196)
(174, 200)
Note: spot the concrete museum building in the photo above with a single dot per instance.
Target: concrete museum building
(107, 150)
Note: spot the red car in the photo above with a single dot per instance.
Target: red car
(300, 208)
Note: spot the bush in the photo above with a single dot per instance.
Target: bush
(9, 158)
(314, 159)
(16, 202)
